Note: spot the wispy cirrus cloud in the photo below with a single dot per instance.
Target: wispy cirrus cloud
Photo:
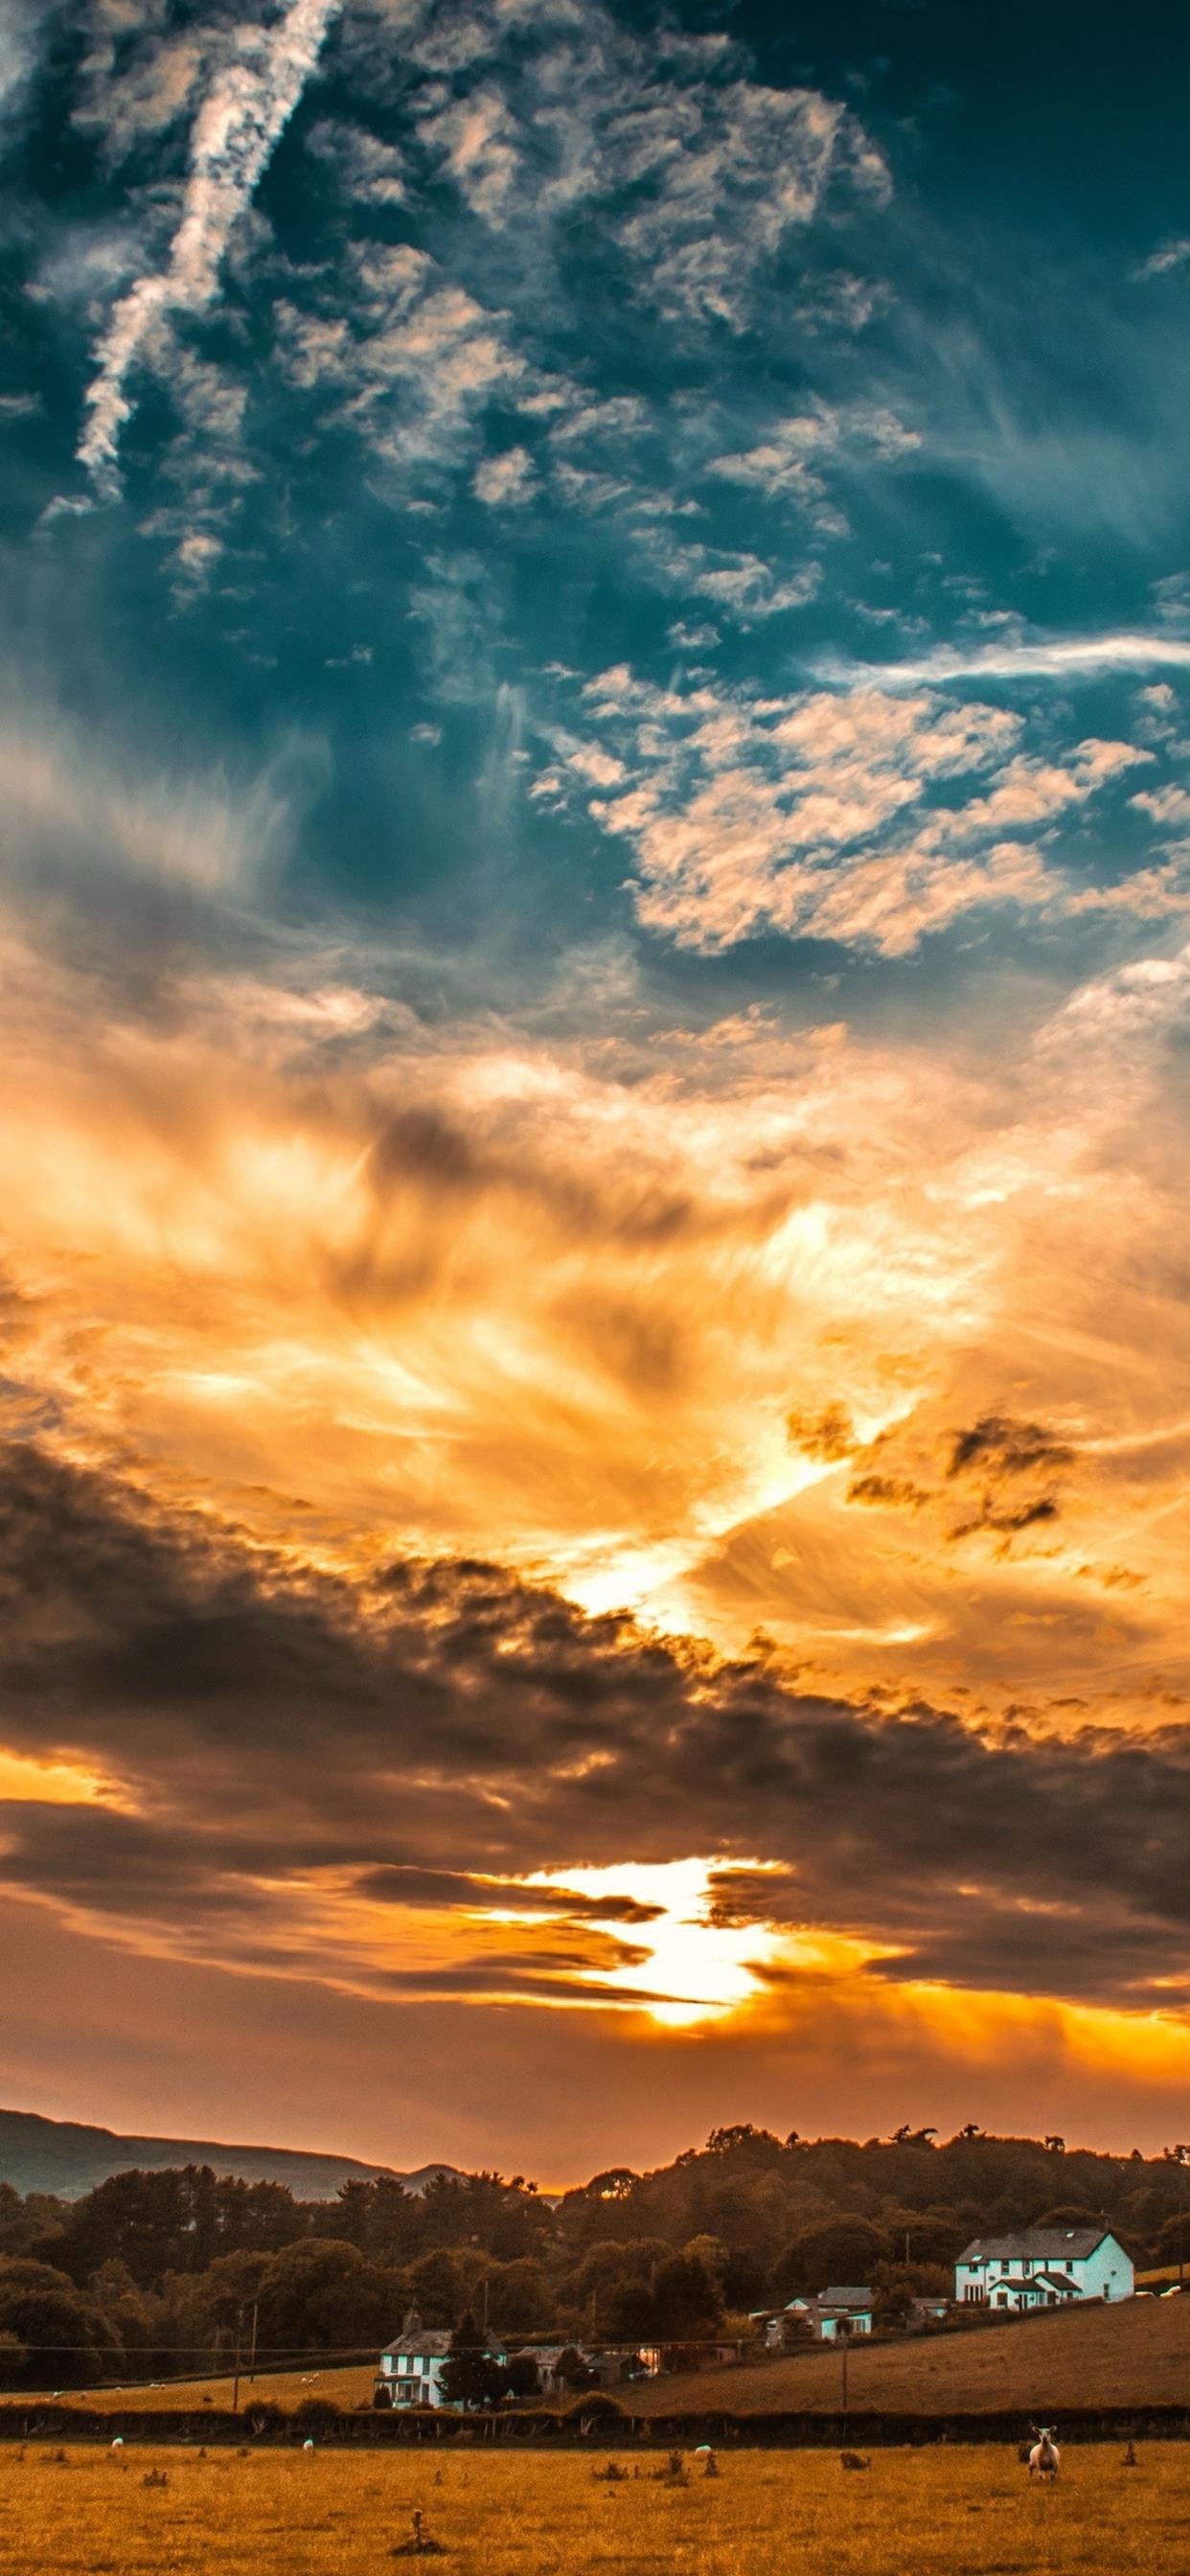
(1170, 254)
(22, 25)
(1040, 657)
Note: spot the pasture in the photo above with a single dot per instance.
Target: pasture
(1136, 2355)
(1133, 2355)
(932, 2512)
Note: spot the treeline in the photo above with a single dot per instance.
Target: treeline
(164, 2273)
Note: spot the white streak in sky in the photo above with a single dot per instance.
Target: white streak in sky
(237, 126)
(1062, 660)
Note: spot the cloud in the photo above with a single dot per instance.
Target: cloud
(826, 815)
(413, 366)
(1043, 658)
(298, 1754)
(694, 172)
(237, 125)
(1001, 1446)
(789, 460)
(22, 27)
(506, 481)
(1171, 254)
(829, 1435)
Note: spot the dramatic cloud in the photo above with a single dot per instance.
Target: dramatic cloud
(211, 1684)
(594, 1366)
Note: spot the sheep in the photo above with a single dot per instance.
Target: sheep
(1045, 2457)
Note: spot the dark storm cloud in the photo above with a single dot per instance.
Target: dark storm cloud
(455, 1725)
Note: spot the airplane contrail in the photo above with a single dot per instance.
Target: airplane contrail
(236, 128)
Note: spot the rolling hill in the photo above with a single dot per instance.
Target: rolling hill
(67, 2158)
(1136, 2354)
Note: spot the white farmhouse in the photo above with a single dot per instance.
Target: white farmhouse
(1042, 2267)
(411, 2367)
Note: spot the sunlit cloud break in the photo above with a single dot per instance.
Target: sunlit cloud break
(238, 124)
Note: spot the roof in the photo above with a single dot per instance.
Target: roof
(1038, 2244)
(430, 2343)
(857, 2302)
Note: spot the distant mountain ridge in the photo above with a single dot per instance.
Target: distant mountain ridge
(68, 2158)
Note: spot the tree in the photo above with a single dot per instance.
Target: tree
(434, 2287)
(758, 2145)
(686, 2304)
(68, 2343)
(470, 2376)
(842, 2250)
(518, 2295)
(893, 2307)
(320, 2296)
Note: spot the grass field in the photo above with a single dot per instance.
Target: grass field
(347, 2388)
(936, 2512)
(1137, 2354)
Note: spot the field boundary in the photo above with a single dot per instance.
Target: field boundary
(364, 2429)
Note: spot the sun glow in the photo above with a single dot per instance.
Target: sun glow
(696, 1969)
(24, 1776)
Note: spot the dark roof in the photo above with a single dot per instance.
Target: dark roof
(832, 2298)
(1038, 2244)
(432, 2343)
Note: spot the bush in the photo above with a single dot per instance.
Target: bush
(596, 2407)
(316, 2415)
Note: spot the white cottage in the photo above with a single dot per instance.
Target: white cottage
(1042, 2267)
(411, 2368)
(845, 2307)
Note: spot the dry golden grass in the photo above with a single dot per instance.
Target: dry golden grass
(935, 2512)
(347, 2388)
(1137, 2354)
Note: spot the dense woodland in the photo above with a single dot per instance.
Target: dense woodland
(158, 2274)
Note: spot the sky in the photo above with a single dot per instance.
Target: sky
(594, 963)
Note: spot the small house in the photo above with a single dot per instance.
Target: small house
(838, 2308)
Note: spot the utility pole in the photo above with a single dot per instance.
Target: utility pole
(252, 2345)
(843, 2332)
(1180, 2156)
(235, 2390)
